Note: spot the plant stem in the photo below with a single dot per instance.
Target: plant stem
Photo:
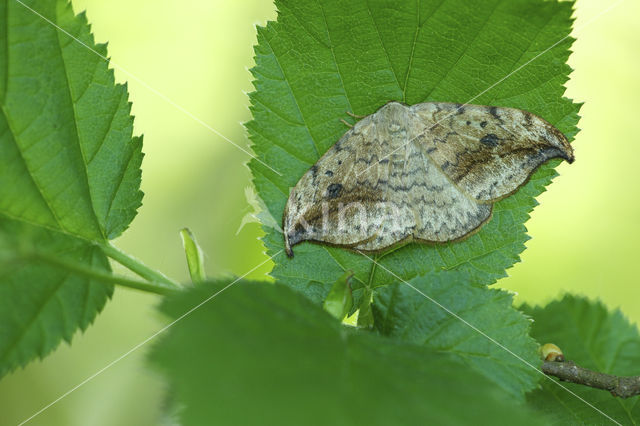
(105, 277)
(137, 266)
(623, 387)
(372, 271)
(365, 316)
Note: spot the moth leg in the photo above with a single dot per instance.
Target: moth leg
(346, 123)
(356, 116)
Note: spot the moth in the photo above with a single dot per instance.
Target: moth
(429, 172)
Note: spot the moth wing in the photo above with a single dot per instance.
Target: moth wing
(488, 152)
(330, 200)
(422, 204)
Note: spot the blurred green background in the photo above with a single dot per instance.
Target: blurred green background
(197, 52)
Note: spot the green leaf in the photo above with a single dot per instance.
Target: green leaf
(339, 300)
(594, 338)
(324, 58)
(365, 310)
(404, 311)
(41, 304)
(262, 354)
(69, 175)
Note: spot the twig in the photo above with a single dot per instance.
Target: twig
(623, 387)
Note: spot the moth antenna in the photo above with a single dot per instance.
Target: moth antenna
(356, 116)
(346, 124)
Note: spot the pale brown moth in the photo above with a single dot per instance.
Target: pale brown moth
(428, 172)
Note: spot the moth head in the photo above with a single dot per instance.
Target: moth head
(395, 115)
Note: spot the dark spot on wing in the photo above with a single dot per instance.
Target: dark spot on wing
(328, 173)
(334, 190)
(490, 140)
(483, 124)
(494, 112)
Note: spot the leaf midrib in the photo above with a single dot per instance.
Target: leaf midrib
(335, 60)
(413, 49)
(384, 49)
(50, 229)
(86, 188)
(293, 96)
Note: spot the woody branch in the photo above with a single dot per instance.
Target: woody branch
(568, 371)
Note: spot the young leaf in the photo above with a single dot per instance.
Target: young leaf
(69, 175)
(365, 311)
(195, 256)
(594, 338)
(339, 300)
(267, 355)
(403, 311)
(323, 59)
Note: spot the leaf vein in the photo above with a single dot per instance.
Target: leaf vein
(77, 134)
(295, 100)
(465, 51)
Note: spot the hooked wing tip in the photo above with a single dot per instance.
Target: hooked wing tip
(287, 248)
(293, 237)
(557, 152)
(570, 158)
(285, 229)
(565, 152)
(565, 149)
(287, 243)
